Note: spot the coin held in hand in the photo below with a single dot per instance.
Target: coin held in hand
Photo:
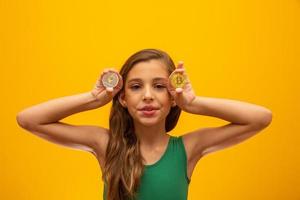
(110, 79)
(177, 79)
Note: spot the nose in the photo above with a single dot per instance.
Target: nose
(147, 93)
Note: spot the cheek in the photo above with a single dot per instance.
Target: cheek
(132, 104)
(168, 98)
(130, 112)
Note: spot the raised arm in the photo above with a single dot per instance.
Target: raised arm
(245, 119)
(43, 119)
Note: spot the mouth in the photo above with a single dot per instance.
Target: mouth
(148, 111)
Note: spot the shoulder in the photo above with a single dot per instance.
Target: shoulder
(101, 141)
(190, 143)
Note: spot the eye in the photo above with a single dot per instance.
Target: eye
(160, 86)
(134, 87)
(157, 86)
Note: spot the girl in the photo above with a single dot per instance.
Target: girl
(137, 156)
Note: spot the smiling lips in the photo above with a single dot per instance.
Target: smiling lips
(148, 110)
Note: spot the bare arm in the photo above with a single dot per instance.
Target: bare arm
(43, 120)
(234, 111)
(57, 109)
(245, 119)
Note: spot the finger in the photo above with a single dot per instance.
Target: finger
(98, 83)
(112, 70)
(120, 77)
(180, 70)
(179, 90)
(121, 82)
(109, 91)
(180, 64)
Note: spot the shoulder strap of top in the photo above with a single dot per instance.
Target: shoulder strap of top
(183, 150)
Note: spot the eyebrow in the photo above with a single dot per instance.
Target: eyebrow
(140, 80)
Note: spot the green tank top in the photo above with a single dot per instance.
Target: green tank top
(167, 178)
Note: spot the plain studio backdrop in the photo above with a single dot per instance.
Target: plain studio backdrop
(244, 50)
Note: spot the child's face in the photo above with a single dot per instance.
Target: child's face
(146, 84)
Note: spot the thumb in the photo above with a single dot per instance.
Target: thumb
(109, 91)
(178, 90)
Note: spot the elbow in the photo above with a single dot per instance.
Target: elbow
(22, 121)
(265, 119)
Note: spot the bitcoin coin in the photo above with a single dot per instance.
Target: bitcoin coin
(177, 79)
(110, 79)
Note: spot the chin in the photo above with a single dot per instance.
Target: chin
(149, 121)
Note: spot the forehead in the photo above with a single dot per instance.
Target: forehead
(148, 70)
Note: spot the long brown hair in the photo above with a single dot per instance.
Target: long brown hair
(123, 161)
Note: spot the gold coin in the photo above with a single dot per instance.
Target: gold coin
(110, 79)
(177, 80)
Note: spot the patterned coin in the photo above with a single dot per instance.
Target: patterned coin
(177, 80)
(110, 79)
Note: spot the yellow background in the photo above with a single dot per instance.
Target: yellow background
(243, 50)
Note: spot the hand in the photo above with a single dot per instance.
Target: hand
(182, 96)
(103, 94)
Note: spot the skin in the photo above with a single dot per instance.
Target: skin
(245, 119)
(147, 91)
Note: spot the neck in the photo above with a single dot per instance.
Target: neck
(151, 136)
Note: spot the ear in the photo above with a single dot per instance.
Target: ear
(121, 99)
(173, 103)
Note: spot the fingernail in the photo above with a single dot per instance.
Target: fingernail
(109, 89)
(178, 90)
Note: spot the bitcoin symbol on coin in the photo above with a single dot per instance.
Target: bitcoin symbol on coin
(177, 80)
(110, 79)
